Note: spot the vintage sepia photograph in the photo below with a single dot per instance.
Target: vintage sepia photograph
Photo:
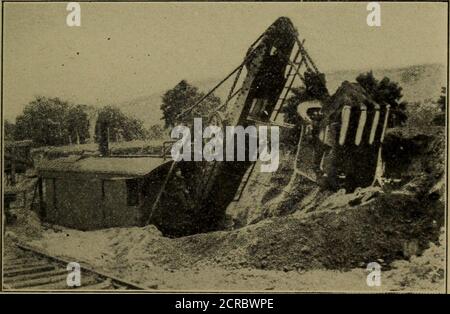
(224, 147)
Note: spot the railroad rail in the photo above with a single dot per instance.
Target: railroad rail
(26, 268)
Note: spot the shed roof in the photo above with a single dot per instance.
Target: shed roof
(23, 143)
(133, 166)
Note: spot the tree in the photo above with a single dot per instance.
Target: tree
(439, 118)
(442, 99)
(133, 129)
(77, 124)
(43, 121)
(182, 97)
(385, 91)
(52, 121)
(156, 132)
(120, 126)
(368, 82)
(316, 86)
(9, 129)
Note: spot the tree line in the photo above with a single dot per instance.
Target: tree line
(382, 91)
(53, 122)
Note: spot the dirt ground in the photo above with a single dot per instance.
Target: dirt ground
(143, 256)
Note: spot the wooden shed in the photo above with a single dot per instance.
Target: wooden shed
(99, 192)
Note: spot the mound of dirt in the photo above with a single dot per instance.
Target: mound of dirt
(270, 194)
(262, 189)
(340, 231)
(410, 152)
(426, 272)
(336, 235)
(334, 238)
(26, 222)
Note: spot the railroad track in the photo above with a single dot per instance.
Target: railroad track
(26, 268)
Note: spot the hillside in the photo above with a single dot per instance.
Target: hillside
(419, 83)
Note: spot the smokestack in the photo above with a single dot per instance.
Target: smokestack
(92, 117)
(103, 141)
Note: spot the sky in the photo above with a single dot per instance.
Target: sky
(124, 51)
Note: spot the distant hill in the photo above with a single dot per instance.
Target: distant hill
(419, 82)
(146, 108)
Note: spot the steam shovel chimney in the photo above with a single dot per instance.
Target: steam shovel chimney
(103, 142)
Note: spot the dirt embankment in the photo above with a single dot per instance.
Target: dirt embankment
(336, 231)
(295, 245)
(327, 231)
(334, 238)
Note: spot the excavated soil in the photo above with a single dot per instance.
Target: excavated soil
(322, 243)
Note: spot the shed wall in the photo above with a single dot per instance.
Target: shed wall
(88, 202)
